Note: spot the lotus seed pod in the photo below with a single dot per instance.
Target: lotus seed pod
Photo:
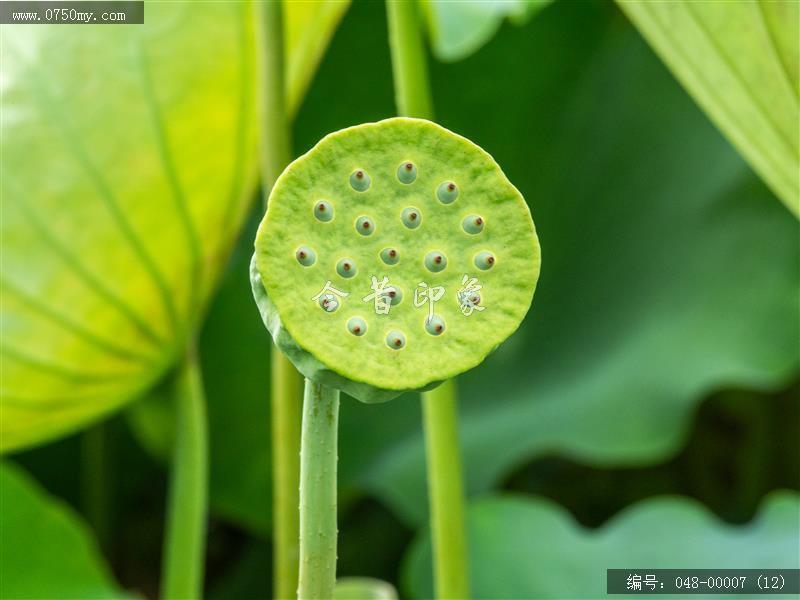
(430, 297)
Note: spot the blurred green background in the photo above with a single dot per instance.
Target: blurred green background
(645, 414)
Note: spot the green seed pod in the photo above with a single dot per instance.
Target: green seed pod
(455, 311)
(411, 217)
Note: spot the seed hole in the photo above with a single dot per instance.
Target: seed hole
(484, 260)
(435, 261)
(411, 217)
(390, 256)
(305, 256)
(395, 340)
(359, 180)
(346, 267)
(357, 326)
(323, 211)
(328, 303)
(435, 325)
(395, 295)
(364, 225)
(472, 224)
(447, 192)
(407, 173)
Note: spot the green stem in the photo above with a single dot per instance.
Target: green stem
(440, 406)
(96, 487)
(409, 63)
(445, 491)
(285, 385)
(318, 457)
(184, 546)
(285, 475)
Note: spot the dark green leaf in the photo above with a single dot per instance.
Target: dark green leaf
(521, 547)
(47, 550)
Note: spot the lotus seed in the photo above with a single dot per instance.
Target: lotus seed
(447, 192)
(365, 226)
(435, 325)
(472, 224)
(390, 256)
(323, 211)
(328, 302)
(407, 173)
(305, 256)
(357, 326)
(411, 217)
(395, 295)
(395, 340)
(346, 268)
(435, 261)
(484, 260)
(359, 180)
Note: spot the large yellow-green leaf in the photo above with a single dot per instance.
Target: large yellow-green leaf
(740, 61)
(530, 548)
(128, 162)
(46, 551)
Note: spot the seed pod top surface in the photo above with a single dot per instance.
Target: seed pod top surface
(393, 255)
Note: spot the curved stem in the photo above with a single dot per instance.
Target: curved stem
(184, 546)
(440, 406)
(445, 491)
(318, 457)
(285, 384)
